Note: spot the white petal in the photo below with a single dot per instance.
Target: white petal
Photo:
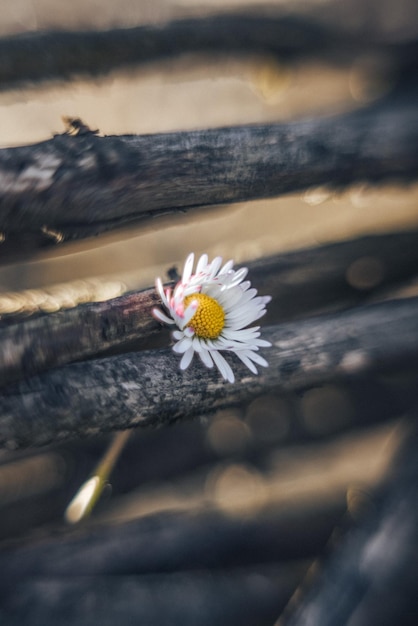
(247, 362)
(186, 359)
(202, 263)
(223, 366)
(215, 265)
(248, 294)
(214, 290)
(262, 343)
(188, 267)
(227, 267)
(243, 334)
(159, 287)
(161, 317)
(190, 311)
(177, 335)
(183, 345)
(256, 358)
(238, 322)
(192, 287)
(197, 345)
(239, 276)
(205, 358)
(231, 297)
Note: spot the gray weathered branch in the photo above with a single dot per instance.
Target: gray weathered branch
(299, 282)
(108, 182)
(148, 389)
(47, 341)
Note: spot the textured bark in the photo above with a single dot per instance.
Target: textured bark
(108, 182)
(58, 338)
(299, 282)
(148, 389)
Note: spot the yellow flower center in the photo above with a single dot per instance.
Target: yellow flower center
(209, 319)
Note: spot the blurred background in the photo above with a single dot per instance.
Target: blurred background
(282, 452)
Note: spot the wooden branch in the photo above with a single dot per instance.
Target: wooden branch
(148, 389)
(229, 598)
(51, 340)
(107, 182)
(64, 55)
(300, 282)
(271, 537)
(371, 577)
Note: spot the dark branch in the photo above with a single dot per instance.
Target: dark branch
(148, 389)
(372, 575)
(139, 548)
(108, 182)
(33, 57)
(233, 598)
(334, 275)
(89, 329)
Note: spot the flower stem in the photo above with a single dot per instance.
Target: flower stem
(90, 491)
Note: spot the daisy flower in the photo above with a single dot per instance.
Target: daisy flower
(212, 309)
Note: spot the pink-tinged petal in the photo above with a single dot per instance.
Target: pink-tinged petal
(223, 366)
(205, 358)
(188, 267)
(189, 312)
(192, 288)
(188, 331)
(178, 293)
(183, 345)
(161, 317)
(186, 359)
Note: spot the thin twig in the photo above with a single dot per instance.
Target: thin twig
(90, 491)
